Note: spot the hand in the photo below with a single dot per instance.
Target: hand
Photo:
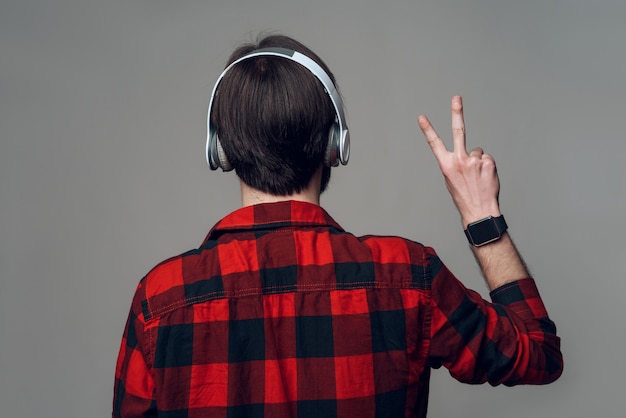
(472, 179)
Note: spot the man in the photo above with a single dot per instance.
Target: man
(282, 313)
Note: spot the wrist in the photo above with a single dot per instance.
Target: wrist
(476, 214)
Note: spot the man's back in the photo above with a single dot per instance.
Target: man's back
(282, 313)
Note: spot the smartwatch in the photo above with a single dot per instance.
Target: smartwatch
(486, 230)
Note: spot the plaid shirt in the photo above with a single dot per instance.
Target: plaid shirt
(281, 313)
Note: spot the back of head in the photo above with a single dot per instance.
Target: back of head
(273, 118)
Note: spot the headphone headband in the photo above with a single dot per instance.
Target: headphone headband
(340, 151)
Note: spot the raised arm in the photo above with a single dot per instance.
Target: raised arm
(472, 180)
(512, 340)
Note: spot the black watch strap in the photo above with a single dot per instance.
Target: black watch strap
(486, 230)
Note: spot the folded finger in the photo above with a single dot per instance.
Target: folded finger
(477, 152)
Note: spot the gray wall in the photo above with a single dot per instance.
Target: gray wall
(102, 173)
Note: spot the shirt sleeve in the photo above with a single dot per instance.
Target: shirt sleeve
(133, 394)
(510, 341)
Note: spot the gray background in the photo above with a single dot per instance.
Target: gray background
(102, 172)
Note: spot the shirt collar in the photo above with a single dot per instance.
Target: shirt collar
(270, 216)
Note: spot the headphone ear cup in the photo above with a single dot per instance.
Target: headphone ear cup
(331, 159)
(221, 156)
(216, 156)
(211, 150)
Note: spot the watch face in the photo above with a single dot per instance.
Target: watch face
(483, 231)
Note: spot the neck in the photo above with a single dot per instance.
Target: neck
(310, 194)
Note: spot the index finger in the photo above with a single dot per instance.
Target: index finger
(458, 125)
(436, 144)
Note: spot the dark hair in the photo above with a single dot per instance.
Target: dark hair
(273, 118)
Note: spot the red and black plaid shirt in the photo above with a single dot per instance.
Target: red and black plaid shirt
(281, 313)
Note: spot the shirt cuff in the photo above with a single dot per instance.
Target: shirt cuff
(521, 297)
(516, 291)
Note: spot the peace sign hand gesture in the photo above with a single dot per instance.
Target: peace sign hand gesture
(471, 179)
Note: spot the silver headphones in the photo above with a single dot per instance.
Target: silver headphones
(338, 149)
